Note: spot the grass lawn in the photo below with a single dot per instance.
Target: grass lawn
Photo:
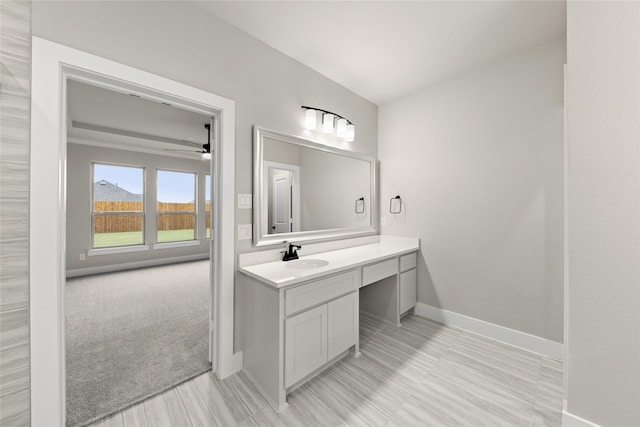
(106, 240)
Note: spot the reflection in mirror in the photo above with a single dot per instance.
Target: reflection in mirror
(309, 191)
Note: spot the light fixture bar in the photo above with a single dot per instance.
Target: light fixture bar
(337, 116)
(330, 121)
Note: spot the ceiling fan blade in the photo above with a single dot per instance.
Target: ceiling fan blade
(187, 151)
(105, 129)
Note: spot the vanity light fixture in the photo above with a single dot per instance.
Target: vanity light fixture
(344, 128)
(341, 128)
(350, 132)
(327, 122)
(310, 119)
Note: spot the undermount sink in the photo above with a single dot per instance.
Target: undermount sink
(306, 264)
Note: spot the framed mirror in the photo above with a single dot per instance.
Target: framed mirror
(304, 190)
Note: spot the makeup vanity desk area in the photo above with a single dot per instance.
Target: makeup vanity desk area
(302, 316)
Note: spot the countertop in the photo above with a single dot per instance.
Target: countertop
(278, 275)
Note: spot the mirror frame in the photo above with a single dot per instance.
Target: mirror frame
(259, 236)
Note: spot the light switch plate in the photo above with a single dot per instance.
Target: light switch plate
(383, 222)
(244, 201)
(244, 232)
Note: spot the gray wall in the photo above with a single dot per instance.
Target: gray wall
(281, 152)
(603, 122)
(477, 161)
(79, 158)
(329, 187)
(180, 41)
(15, 92)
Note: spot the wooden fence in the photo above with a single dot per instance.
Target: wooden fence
(132, 220)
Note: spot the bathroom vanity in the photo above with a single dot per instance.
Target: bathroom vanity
(301, 316)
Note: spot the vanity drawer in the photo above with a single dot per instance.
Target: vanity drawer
(320, 291)
(379, 271)
(408, 262)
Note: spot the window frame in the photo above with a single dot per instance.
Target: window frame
(120, 248)
(207, 212)
(196, 234)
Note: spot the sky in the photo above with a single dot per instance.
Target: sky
(173, 187)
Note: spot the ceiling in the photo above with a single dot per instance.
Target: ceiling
(383, 50)
(102, 117)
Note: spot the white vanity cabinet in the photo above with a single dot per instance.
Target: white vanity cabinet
(297, 322)
(316, 336)
(343, 317)
(306, 344)
(293, 332)
(408, 282)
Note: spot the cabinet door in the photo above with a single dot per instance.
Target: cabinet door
(408, 295)
(305, 344)
(343, 323)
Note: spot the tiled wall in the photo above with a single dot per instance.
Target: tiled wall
(15, 91)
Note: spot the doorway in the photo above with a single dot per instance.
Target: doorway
(52, 66)
(137, 295)
(281, 192)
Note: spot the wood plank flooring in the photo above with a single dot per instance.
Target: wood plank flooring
(422, 374)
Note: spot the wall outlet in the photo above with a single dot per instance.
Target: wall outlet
(244, 232)
(244, 201)
(83, 256)
(383, 222)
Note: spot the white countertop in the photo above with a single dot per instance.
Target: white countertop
(278, 275)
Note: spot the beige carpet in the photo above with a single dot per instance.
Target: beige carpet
(133, 334)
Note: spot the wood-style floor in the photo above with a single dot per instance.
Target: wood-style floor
(422, 374)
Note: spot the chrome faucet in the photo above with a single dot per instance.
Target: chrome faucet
(291, 253)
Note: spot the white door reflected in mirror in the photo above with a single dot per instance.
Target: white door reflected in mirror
(281, 202)
(281, 197)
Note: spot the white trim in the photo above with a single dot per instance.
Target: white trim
(565, 239)
(52, 64)
(77, 272)
(117, 250)
(570, 420)
(171, 245)
(512, 337)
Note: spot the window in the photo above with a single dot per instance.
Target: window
(176, 208)
(117, 215)
(207, 197)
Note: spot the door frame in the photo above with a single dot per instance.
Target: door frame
(52, 65)
(295, 192)
(276, 194)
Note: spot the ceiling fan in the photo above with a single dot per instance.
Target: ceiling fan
(206, 148)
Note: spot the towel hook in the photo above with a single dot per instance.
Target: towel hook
(398, 204)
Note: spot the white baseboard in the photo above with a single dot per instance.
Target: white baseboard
(570, 420)
(237, 361)
(133, 265)
(512, 337)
